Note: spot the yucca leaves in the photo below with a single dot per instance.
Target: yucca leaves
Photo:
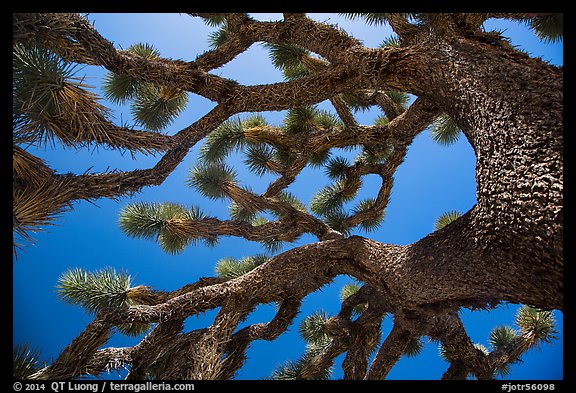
(335, 220)
(444, 130)
(153, 106)
(548, 28)
(286, 56)
(312, 330)
(313, 327)
(300, 120)
(229, 268)
(446, 218)
(25, 361)
(294, 370)
(50, 103)
(120, 88)
(260, 159)
(537, 326)
(210, 179)
(373, 223)
(392, 41)
(226, 138)
(501, 337)
(371, 157)
(335, 167)
(219, 37)
(242, 213)
(370, 18)
(230, 137)
(94, 291)
(162, 222)
(331, 197)
(349, 290)
(292, 200)
(414, 347)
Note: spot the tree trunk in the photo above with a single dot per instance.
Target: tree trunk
(509, 106)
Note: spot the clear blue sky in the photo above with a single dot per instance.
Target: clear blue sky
(432, 180)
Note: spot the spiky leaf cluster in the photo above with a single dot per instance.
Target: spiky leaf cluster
(25, 361)
(313, 327)
(537, 326)
(501, 337)
(349, 290)
(414, 347)
(331, 197)
(313, 331)
(444, 130)
(162, 222)
(210, 179)
(50, 102)
(229, 268)
(286, 56)
(370, 224)
(260, 159)
(370, 18)
(229, 136)
(94, 291)
(548, 28)
(308, 118)
(153, 106)
(119, 88)
(371, 156)
(446, 218)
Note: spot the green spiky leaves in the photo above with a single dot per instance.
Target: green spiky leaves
(537, 326)
(211, 179)
(25, 361)
(167, 223)
(230, 268)
(349, 290)
(228, 137)
(307, 119)
(370, 18)
(120, 88)
(548, 28)
(94, 291)
(313, 327)
(153, 106)
(446, 218)
(313, 331)
(50, 103)
(331, 197)
(376, 217)
(444, 130)
(231, 136)
(501, 337)
(156, 107)
(286, 56)
(414, 347)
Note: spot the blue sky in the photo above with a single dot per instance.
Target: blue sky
(433, 179)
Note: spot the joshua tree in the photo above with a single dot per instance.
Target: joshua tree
(466, 83)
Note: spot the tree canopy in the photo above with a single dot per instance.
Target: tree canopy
(438, 73)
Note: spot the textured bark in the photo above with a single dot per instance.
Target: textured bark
(507, 248)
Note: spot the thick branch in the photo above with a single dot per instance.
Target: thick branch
(390, 352)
